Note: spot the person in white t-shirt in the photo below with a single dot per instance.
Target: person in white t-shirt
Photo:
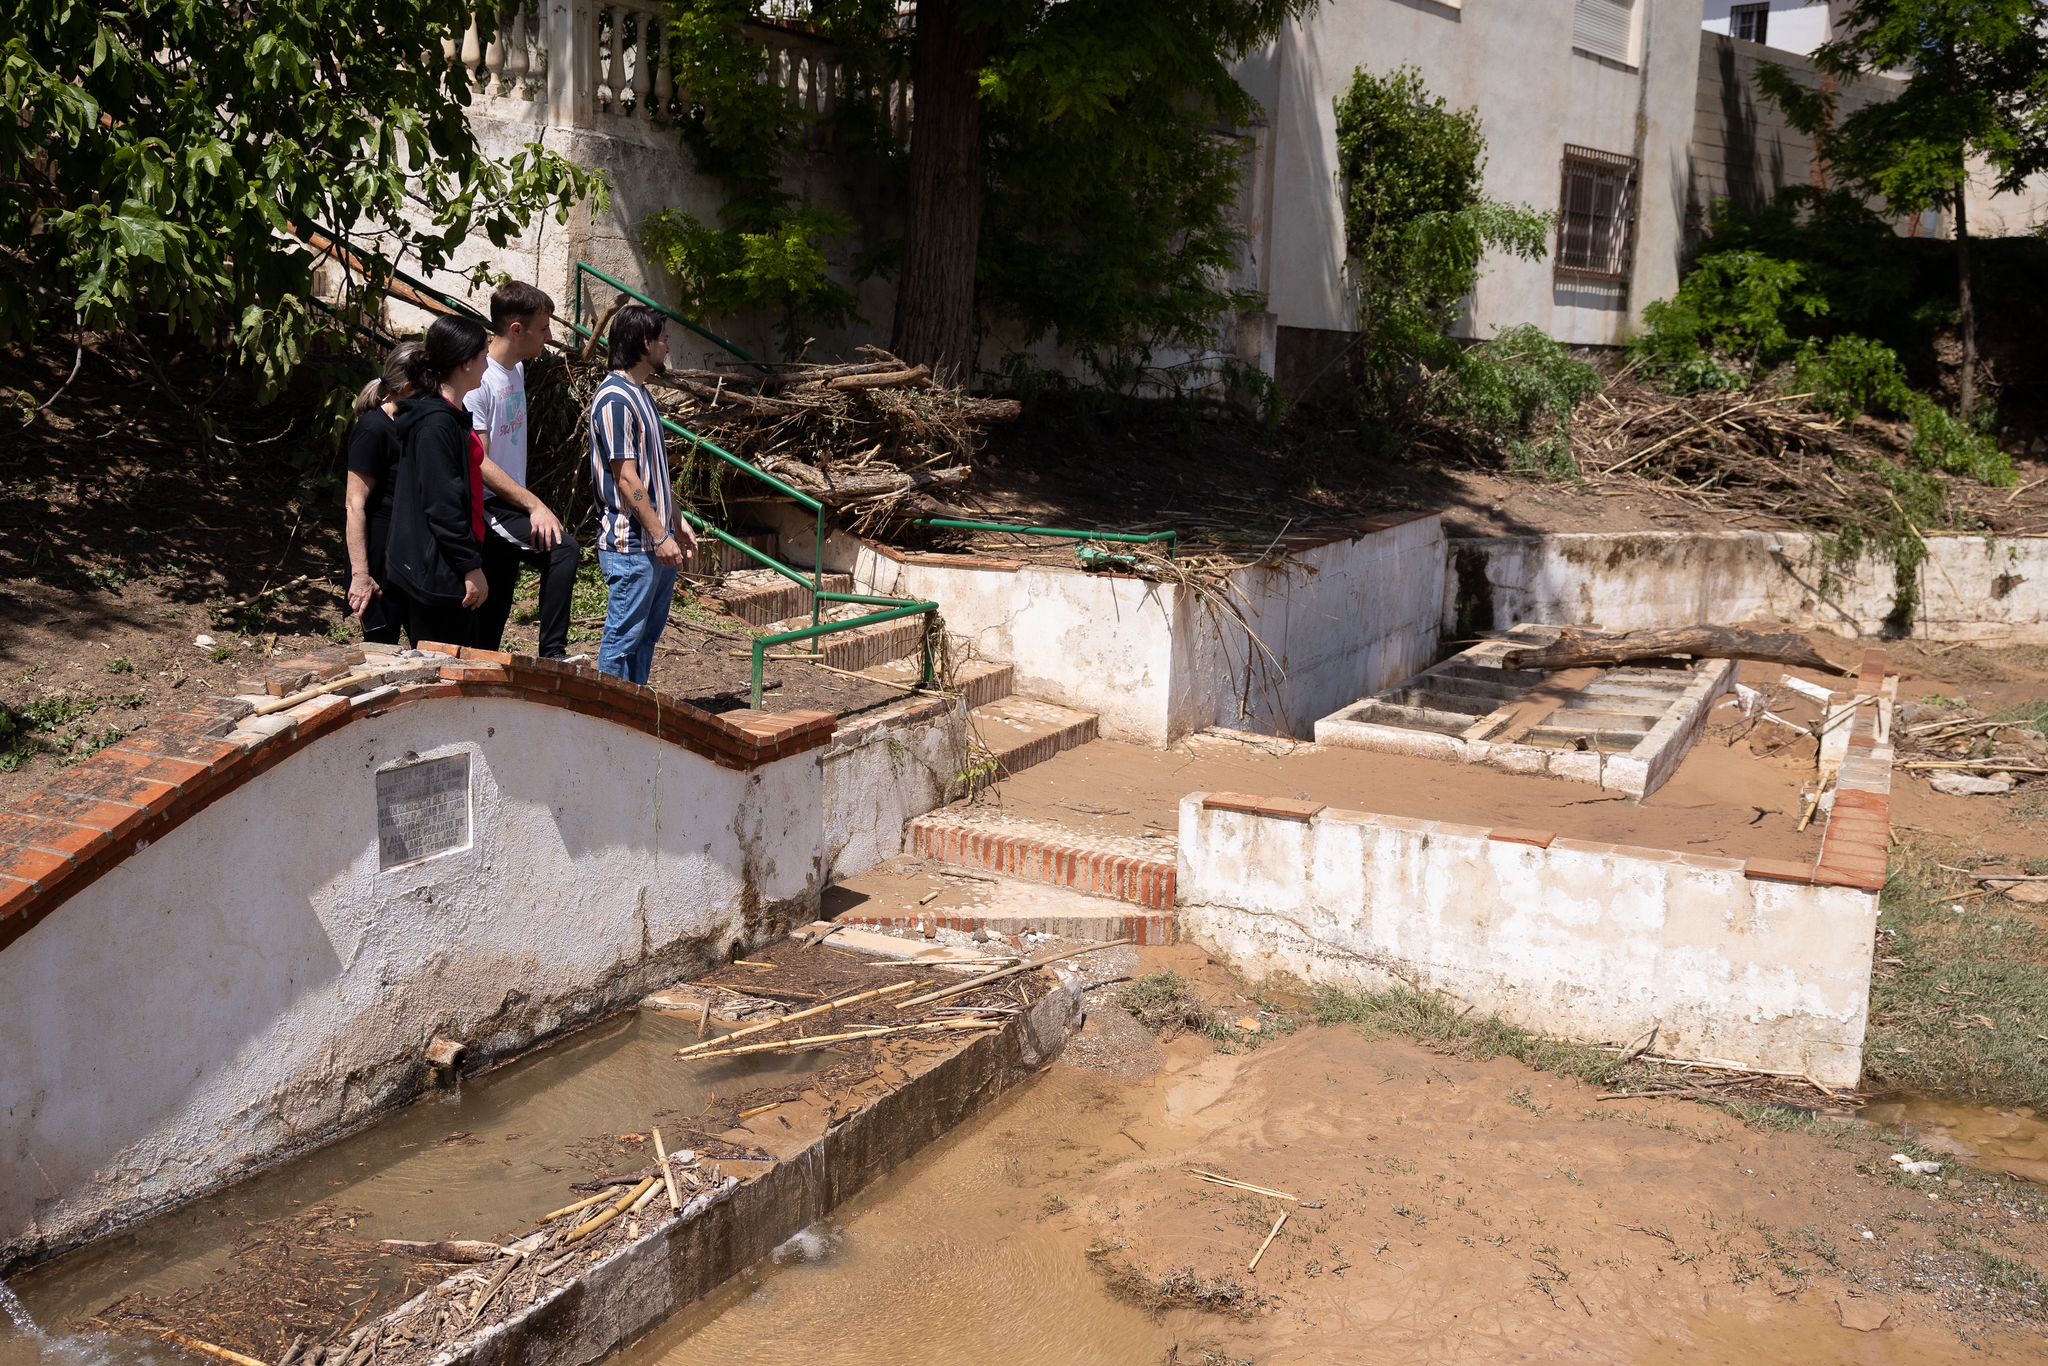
(519, 527)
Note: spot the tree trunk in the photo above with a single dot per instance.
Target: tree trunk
(1966, 383)
(1573, 650)
(935, 322)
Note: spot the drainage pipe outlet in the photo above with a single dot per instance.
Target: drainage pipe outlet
(445, 1055)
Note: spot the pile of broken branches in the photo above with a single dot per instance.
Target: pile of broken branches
(1759, 456)
(876, 441)
(1974, 753)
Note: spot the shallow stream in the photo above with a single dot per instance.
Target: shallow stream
(481, 1160)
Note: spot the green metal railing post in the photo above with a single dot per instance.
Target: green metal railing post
(1171, 539)
(585, 268)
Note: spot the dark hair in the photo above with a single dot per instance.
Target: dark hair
(392, 382)
(515, 301)
(633, 331)
(450, 344)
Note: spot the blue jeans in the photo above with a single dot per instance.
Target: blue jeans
(636, 612)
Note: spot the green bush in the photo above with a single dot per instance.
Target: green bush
(776, 264)
(1942, 441)
(1504, 389)
(1739, 306)
(1850, 376)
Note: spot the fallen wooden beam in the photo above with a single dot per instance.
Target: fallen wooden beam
(1573, 649)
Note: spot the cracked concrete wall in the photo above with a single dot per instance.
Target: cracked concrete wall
(1580, 940)
(1971, 588)
(253, 983)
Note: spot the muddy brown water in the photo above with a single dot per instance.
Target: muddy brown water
(482, 1160)
(956, 1257)
(1999, 1138)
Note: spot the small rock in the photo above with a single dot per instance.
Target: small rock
(1912, 713)
(1955, 784)
(1862, 1314)
(1249, 1024)
(1912, 1168)
(1868, 1235)
(203, 642)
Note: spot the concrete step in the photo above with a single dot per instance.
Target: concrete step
(1013, 733)
(1121, 867)
(760, 596)
(918, 895)
(980, 681)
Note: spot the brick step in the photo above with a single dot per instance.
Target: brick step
(864, 646)
(761, 596)
(715, 559)
(1138, 871)
(1016, 733)
(980, 681)
(918, 895)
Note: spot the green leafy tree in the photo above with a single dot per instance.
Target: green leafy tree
(1416, 229)
(162, 157)
(1975, 87)
(1067, 173)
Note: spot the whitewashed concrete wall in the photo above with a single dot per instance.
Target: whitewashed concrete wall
(251, 983)
(1341, 620)
(1156, 661)
(1581, 941)
(1515, 64)
(884, 771)
(1971, 588)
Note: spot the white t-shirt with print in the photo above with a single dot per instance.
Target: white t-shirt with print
(497, 410)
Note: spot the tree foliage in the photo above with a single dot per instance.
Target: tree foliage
(165, 154)
(1416, 229)
(1975, 89)
(1108, 197)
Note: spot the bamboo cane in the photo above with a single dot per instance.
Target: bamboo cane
(583, 1204)
(1268, 1243)
(813, 1040)
(667, 1175)
(948, 993)
(689, 1050)
(192, 1344)
(582, 1231)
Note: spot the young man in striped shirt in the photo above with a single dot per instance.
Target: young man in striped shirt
(641, 539)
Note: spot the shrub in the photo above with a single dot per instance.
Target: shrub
(1741, 305)
(1850, 376)
(1942, 441)
(1505, 387)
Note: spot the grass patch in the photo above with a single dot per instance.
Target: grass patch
(1165, 1004)
(1958, 1002)
(47, 725)
(1441, 1024)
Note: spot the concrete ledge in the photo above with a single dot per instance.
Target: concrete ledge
(685, 1256)
(1759, 965)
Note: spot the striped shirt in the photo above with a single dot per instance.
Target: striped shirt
(625, 426)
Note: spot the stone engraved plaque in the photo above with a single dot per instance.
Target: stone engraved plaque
(422, 810)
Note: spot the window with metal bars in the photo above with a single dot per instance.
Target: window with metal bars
(1750, 22)
(1596, 217)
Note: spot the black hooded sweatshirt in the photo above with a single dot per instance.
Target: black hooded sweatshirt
(433, 541)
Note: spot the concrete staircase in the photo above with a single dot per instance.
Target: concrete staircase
(969, 867)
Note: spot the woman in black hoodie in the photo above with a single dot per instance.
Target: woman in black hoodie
(435, 555)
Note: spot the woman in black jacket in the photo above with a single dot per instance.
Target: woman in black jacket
(373, 451)
(435, 557)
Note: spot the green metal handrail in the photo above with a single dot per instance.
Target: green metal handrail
(584, 268)
(1170, 538)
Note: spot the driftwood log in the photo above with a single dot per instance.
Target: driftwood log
(1572, 649)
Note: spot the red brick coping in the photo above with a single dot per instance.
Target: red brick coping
(88, 817)
(1854, 848)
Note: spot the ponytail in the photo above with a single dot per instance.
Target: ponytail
(450, 344)
(393, 383)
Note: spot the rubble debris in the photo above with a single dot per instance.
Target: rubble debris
(1573, 649)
